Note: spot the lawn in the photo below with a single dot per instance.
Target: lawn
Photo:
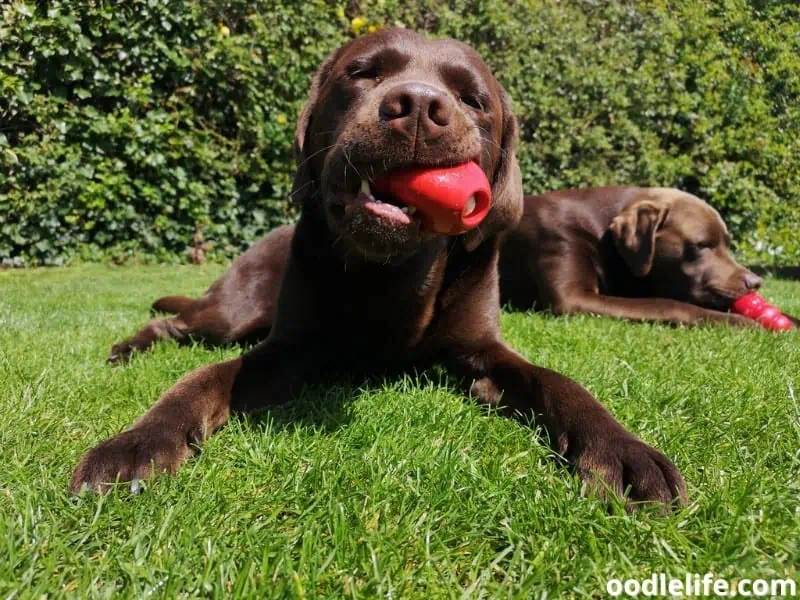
(395, 489)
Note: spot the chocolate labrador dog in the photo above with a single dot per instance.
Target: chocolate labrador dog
(366, 289)
(645, 254)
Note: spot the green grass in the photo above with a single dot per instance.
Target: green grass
(396, 489)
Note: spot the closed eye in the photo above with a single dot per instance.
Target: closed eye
(692, 251)
(363, 71)
(473, 101)
(467, 85)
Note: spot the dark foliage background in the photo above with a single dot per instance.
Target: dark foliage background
(143, 129)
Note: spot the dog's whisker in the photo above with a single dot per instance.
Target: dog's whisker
(300, 189)
(308, 158)
(324, 133)
(488, 139)
(347, 156)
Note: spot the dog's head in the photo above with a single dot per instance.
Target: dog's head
(394, 100)
(682, 246)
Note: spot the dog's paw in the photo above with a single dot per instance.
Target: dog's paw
(131, 456)
(121, 353)
(626, 466)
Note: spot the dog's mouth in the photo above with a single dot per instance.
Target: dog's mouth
(380, 205)
(391, 212)
(718, 299)
(375, 225)
(445, 199)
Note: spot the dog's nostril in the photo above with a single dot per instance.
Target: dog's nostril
(439, 111)
(396, 106)
(752, 281)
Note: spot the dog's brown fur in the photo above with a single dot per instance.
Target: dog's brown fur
(361, 293)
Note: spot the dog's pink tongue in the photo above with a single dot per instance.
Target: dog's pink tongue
(449, 200)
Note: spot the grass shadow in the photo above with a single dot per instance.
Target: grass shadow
(324, 405)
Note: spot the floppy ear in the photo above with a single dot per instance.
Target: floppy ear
(634, 231)
(304, 185)
(506, 187)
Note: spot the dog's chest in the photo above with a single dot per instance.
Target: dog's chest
(387, 314)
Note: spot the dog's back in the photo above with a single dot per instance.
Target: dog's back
(559, 229)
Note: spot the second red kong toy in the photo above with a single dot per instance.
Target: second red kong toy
(755, 307)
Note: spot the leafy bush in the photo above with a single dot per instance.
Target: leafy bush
(145, 128)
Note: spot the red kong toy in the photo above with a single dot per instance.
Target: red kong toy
(755, 307)
(450, 200)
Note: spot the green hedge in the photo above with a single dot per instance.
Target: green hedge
(141, 129)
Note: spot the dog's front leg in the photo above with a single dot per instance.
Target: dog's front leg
(581, 430)
(656, 310)
(191, 411)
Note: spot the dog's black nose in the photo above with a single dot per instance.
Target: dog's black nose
(415, 108)
(752, 281)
